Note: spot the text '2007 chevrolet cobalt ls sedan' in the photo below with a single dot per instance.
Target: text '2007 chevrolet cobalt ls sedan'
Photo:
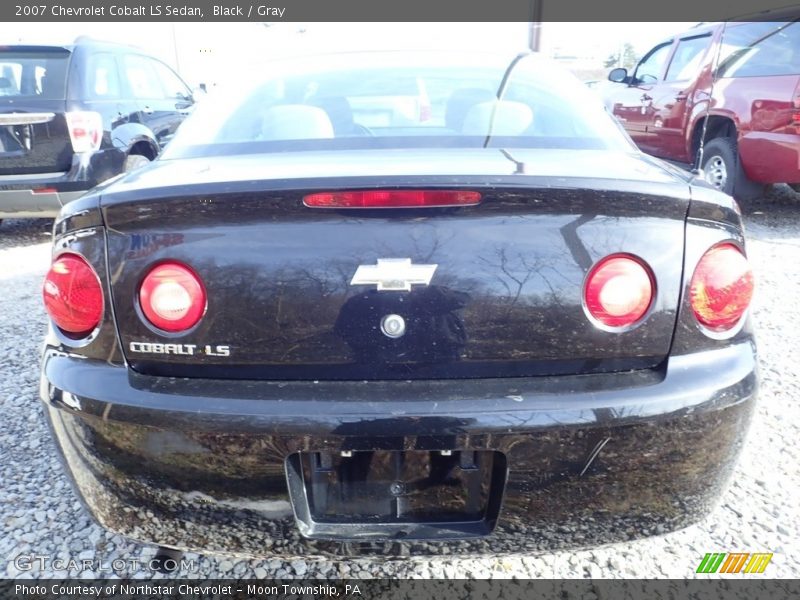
(398, 296)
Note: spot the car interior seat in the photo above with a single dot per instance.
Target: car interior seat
(499, 117)
(6, 88)
(340, 113)
(460, 102)
(295, 122)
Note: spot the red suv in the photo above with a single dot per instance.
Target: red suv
(753, 131)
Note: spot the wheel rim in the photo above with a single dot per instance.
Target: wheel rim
(716, 172)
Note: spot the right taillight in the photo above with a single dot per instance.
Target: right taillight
(721, 288)
(172, 297)
(85, 130)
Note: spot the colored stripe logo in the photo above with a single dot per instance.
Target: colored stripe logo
(734, 562)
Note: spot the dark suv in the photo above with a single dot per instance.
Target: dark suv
(73, 116)
(751, 73)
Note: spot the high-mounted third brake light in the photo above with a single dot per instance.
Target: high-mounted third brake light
(618, 291)
(172, 297)
(72, 295)
(721, 288)
(392, 199)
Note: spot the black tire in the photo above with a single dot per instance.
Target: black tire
(135, 161)
(723, 170)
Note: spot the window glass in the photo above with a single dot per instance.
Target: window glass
(649, 70)
(34, 73)
(102, 77)
(142, 78)
(685, 63)
(391, 100)
(171, 84)
(760, 49)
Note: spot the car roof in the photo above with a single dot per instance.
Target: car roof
(36, 47)
(382, 59)
(777, 15)
(374, 56)
(81, 41)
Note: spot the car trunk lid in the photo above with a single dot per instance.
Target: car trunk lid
(492, 290)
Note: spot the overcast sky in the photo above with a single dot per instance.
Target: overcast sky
(211, 51)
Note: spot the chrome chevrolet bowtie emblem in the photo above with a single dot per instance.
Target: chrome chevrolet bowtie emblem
(393, 274)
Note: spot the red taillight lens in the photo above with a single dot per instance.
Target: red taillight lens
(618, 291)
(172, 297)
(72, 295)
(392, 199)
(721, 287)
(794, 125)
(85, 130)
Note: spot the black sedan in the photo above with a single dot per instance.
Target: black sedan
(385, 300)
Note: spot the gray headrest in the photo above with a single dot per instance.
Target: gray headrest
(459, 103)
(295, 122)
(499, 117)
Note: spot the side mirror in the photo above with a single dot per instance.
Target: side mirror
(618, 75)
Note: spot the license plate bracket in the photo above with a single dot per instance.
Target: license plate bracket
(408, 494)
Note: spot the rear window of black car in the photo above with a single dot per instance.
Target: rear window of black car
(37, 73)
(397, 100)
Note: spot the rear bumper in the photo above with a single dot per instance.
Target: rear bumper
(771, 157)
(21, 195)
(200, 464)
(27, 204)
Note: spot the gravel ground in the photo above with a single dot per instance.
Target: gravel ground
(759, 513)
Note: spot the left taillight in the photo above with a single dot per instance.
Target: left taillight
(85, 130)
(618, 291)
(172, 297)
(73, 296)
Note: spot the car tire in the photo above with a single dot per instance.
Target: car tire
(135, 161)
(723, 170)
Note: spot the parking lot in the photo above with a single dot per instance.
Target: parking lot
(759, 513)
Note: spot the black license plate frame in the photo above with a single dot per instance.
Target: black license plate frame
(396, 494)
